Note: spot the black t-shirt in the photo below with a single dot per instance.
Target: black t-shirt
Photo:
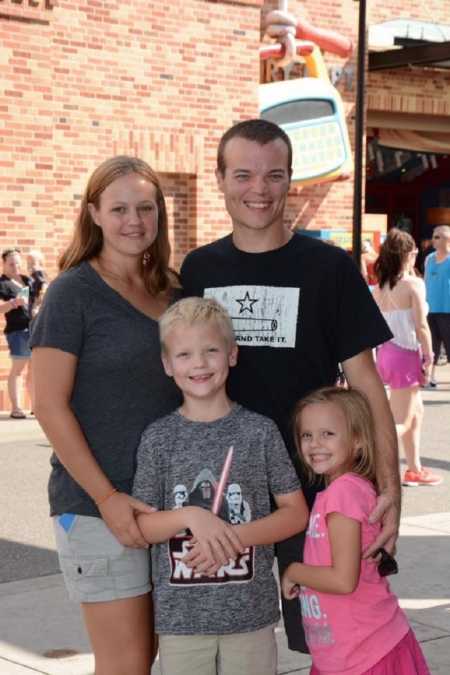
(19, 318)
(297, 312)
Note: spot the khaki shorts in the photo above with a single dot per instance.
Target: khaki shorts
(96, 567)
(253, 653)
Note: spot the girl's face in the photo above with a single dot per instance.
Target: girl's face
(325, 442)
(127, 215)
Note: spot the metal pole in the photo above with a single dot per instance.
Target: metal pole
(359, 135)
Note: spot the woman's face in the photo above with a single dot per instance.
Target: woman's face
(11, 265)
(127, 215)
(410, 259)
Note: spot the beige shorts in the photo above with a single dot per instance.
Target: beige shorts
(253, 653)
(96, 567)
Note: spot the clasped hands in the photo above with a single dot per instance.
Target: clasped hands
(214, 542)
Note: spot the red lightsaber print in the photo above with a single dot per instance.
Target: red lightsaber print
(218, 497)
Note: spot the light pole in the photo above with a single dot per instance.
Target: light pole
(359, 134)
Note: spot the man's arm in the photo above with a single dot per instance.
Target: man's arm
(361, 373)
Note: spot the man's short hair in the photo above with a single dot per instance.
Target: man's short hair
(8, 252)
(445, 229)
(194, 311)
(260, 131)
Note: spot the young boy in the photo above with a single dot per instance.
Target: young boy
(216, 600)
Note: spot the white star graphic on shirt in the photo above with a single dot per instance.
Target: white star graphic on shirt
(246, 303)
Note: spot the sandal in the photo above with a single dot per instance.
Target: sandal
(18, 415)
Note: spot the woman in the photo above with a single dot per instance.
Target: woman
(404, 362)
(16, 292)
(98, 382)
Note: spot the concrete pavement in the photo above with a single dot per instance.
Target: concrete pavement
(42, 632)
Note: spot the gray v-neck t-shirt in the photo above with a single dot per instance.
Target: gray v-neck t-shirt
(120, 385)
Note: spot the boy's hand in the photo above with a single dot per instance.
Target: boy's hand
(289, 587)
(216, 541)
(199, 562)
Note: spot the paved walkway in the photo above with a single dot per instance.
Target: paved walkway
(38, 622)
(42, 632)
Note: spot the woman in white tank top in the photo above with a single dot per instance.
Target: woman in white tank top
(404, 363)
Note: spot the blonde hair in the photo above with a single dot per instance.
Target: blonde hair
(196, 310)
(445, 229)
(87, 240)
(360, 425)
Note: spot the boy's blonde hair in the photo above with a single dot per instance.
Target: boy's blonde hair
(196, 310)
(358, 415)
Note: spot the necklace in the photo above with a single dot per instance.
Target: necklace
(104, 270)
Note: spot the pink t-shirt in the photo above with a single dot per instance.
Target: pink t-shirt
(348, 634)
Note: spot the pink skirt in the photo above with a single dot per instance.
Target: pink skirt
(405, 659)
(398, 367)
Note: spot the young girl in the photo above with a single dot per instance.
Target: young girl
(353, 622)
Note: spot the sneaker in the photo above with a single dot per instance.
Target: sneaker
(18, 414)
(422, 477)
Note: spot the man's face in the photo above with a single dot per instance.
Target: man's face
(255, 184)
(440, 239)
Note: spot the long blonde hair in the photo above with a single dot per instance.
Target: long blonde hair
(87, 240)
(360, 425)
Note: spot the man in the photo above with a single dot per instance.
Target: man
(299, 308)
(437, 281)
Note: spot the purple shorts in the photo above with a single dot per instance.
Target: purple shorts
(405, 659)
(398, 367)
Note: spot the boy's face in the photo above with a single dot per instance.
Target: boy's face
(198, 357)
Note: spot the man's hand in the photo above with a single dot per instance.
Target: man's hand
(387, 510)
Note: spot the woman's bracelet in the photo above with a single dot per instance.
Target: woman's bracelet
(101, 501)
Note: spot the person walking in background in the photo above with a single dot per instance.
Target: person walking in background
(425, 248)
(404, 363)
(354, 624)
(299, 308)
(437, 282)
(98, 381)
(39, 277)
(16, 292)
(368, 257)
(216, 601)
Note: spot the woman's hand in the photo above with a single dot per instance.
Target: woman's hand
(289, 587)
(119, 513)
(215, 541)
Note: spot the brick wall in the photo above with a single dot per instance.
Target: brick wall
(83, 80)
(87, 79)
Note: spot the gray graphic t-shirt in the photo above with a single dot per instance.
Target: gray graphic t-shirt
(179, 464)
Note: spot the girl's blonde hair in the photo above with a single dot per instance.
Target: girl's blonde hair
(360, 425)
(196, 310)
(87, 240)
